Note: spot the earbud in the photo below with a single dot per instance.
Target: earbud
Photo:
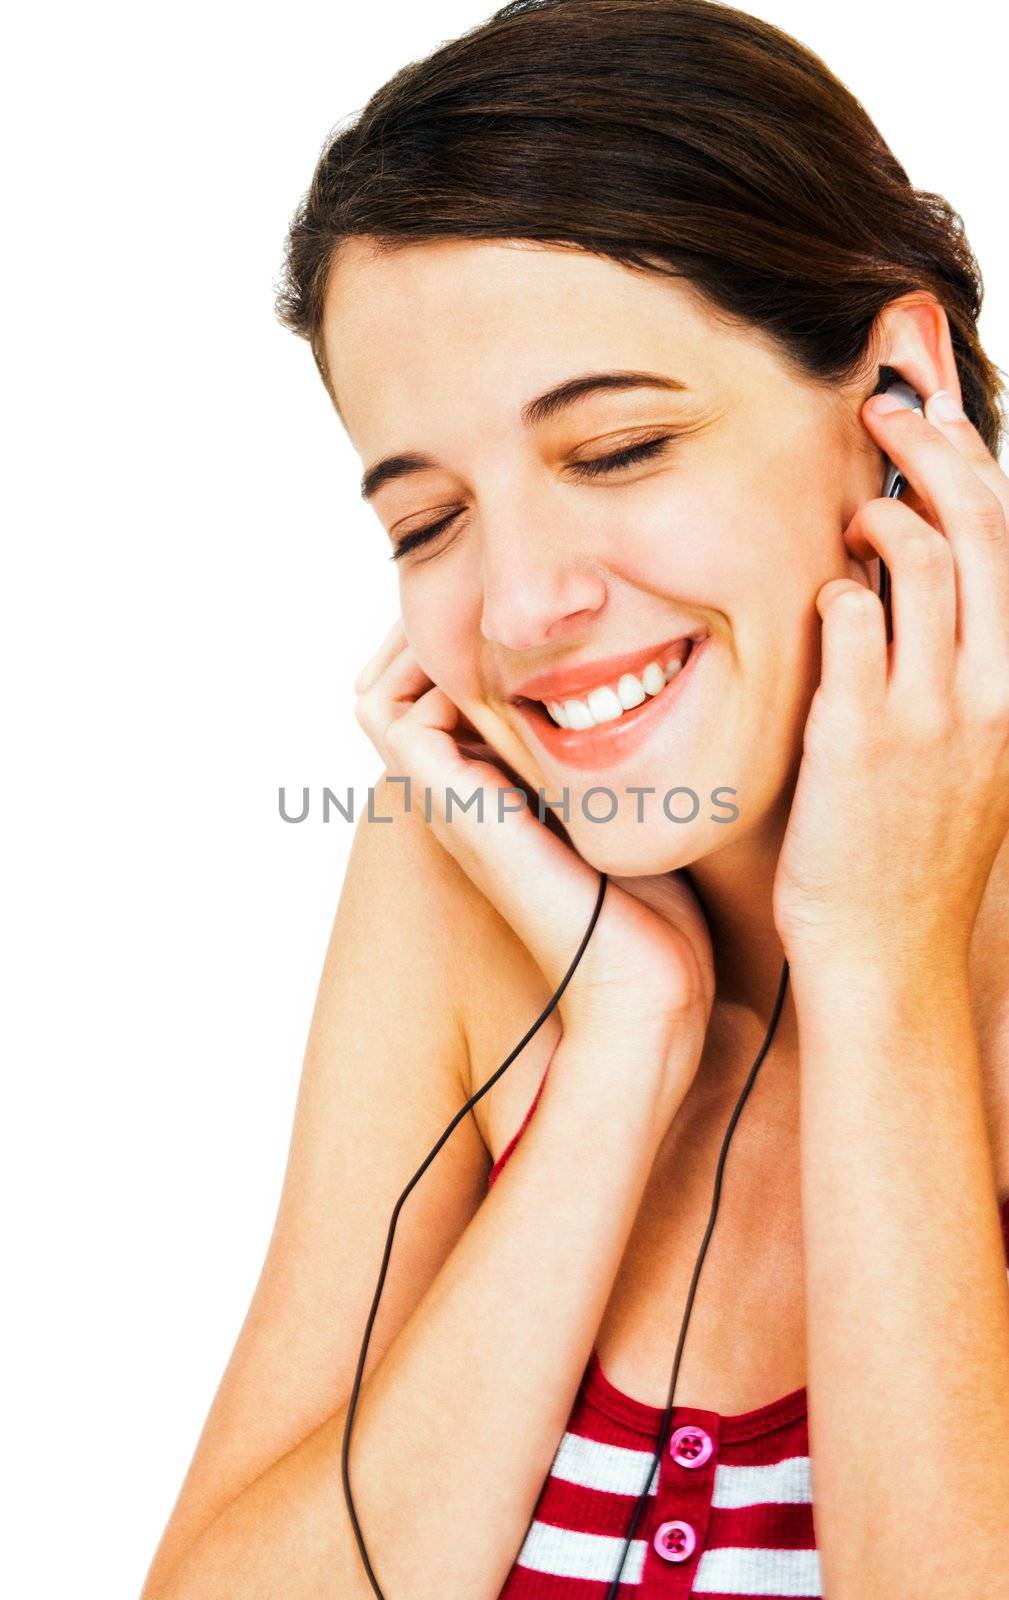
(893, 481)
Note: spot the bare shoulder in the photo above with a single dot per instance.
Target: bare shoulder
(484, 971)
(499, 992)
(989, 975)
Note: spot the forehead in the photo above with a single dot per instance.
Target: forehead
(487, 324)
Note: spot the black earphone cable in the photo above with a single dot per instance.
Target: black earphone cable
(611, 1593)
(491, 1081)
(884, 592)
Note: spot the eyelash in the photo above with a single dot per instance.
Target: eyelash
(597, 467)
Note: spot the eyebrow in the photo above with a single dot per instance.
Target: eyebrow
(533, 412)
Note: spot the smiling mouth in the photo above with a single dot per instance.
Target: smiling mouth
(616, 700)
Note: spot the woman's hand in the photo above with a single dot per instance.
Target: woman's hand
(902, 799)
(646, 968)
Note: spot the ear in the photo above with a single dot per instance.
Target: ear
(911, 335)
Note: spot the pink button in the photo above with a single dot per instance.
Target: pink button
(674, 1541)
(690, 1446)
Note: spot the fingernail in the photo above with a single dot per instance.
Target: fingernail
(944, 407)
(882, 403)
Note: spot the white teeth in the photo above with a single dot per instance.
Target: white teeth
(604, 704)
(653, 677)
(578, 715)
(630, 691)
(610, 701)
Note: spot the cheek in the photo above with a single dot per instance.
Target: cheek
(714, 545)
(750, 556)
(441, 633)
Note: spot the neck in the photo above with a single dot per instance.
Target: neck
(735, 889)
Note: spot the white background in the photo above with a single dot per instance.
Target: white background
(191, 583)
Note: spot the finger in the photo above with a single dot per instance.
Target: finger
(923, 594)
(422, 738)
(432, 732)
(393, 689)
(852, 647)
(390, 646)
(971, 516)
(481, 812)
(945, 413)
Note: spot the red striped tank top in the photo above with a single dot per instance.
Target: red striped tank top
(730, 1513)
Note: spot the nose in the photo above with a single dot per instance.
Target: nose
(538, 584)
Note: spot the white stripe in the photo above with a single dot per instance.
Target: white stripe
(565, 1554)
(736, 1570)
(610, 1468)
(785, 1482)
(614, 1469)
(562, 1553)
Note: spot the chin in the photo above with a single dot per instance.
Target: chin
(641, 850)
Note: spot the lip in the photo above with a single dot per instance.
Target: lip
(611, 742)
(576, 681)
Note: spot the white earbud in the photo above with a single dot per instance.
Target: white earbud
(908, 397)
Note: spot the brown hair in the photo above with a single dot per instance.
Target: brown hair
(677, 136)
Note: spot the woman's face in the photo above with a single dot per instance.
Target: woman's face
(549, 563)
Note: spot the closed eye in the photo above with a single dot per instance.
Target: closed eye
(595, 467)
(598, 465)
(421, 536)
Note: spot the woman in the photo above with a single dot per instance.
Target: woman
(601, 292)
